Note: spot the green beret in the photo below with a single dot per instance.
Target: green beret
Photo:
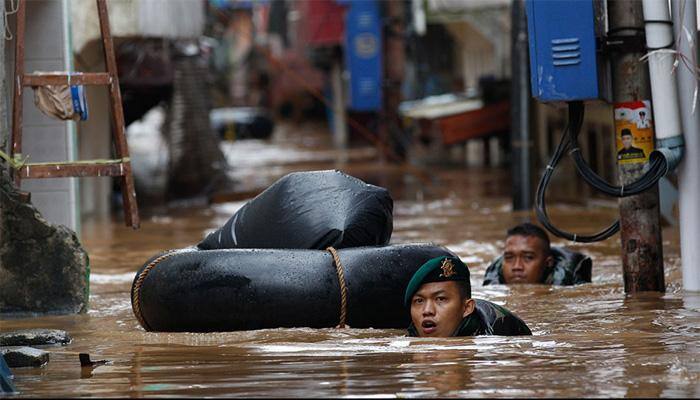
(438, 269)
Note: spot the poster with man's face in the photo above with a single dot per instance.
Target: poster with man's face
(634, 131)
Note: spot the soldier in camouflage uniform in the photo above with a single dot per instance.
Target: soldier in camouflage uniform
(439, 298)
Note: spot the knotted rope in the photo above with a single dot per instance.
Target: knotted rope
(343, 287)
(136, 293)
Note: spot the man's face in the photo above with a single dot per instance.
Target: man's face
(437, 309)
(627, 141)
(525, 259)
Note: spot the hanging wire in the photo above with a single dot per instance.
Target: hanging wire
(574, 123)
(14, 7)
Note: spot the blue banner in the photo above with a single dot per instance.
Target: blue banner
(363, 55)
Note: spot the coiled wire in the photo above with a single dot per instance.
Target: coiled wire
(574, 123)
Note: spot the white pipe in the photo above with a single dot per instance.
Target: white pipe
(663, 87)
(684, 19)
(340, 130)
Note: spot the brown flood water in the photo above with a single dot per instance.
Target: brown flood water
(589, 340)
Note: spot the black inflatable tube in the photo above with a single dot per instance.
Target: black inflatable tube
(243, 289)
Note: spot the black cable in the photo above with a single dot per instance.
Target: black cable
(658, 165)
(574, 123)
(625, 28)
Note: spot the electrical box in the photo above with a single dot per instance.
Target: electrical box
(564, 62)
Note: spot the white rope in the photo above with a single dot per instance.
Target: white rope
(13, 9)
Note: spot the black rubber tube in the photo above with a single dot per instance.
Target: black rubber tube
(244, 289)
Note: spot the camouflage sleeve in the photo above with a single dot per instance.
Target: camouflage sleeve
(507, 323)
(494, 273)
(500, 321)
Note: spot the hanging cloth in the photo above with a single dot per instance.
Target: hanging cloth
(65, 102)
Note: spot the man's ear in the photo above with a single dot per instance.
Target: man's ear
(469, 306)
(548, 265)
(549, 261)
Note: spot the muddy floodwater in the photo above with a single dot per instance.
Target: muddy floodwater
(589, 340)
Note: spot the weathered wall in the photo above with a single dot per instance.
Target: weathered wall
(173, 19)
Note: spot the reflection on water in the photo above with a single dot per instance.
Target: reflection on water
(589, 340)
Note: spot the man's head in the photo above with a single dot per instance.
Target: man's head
(626, 136)
(439, 297)
(527, 254)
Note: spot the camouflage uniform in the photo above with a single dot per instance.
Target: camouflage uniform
(487, 319)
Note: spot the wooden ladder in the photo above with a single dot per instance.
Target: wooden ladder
(121, 167)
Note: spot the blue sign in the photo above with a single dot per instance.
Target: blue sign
(563, 54)
(363, 55)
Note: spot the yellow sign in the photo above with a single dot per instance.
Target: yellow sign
(634, 132)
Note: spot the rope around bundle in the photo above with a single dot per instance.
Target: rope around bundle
(343, 287)
(136, 294)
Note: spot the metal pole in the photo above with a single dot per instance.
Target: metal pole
(520, 114)
(640, 232)
(685, 28)
(340, 130)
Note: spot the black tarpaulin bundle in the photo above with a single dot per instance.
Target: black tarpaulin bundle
(241, 289)
(309, 210)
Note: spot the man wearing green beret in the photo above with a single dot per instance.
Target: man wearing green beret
(441, 305)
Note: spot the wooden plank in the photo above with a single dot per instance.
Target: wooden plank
(477, 123)
(131, 211)
(41, 79)
(17, 85)
(72, 170)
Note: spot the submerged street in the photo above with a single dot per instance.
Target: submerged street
(588, 340)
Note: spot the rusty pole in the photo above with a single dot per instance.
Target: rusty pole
(640, 227)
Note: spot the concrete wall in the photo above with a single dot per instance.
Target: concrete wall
(46, 139)
(145, 18)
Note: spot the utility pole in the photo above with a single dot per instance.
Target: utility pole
(640, 227)
(394, 64)
(520, 142)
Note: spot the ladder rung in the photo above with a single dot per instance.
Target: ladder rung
(43, 79)
(72, 170)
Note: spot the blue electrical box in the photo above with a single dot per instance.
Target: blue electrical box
(363, 58)
(564, 63)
